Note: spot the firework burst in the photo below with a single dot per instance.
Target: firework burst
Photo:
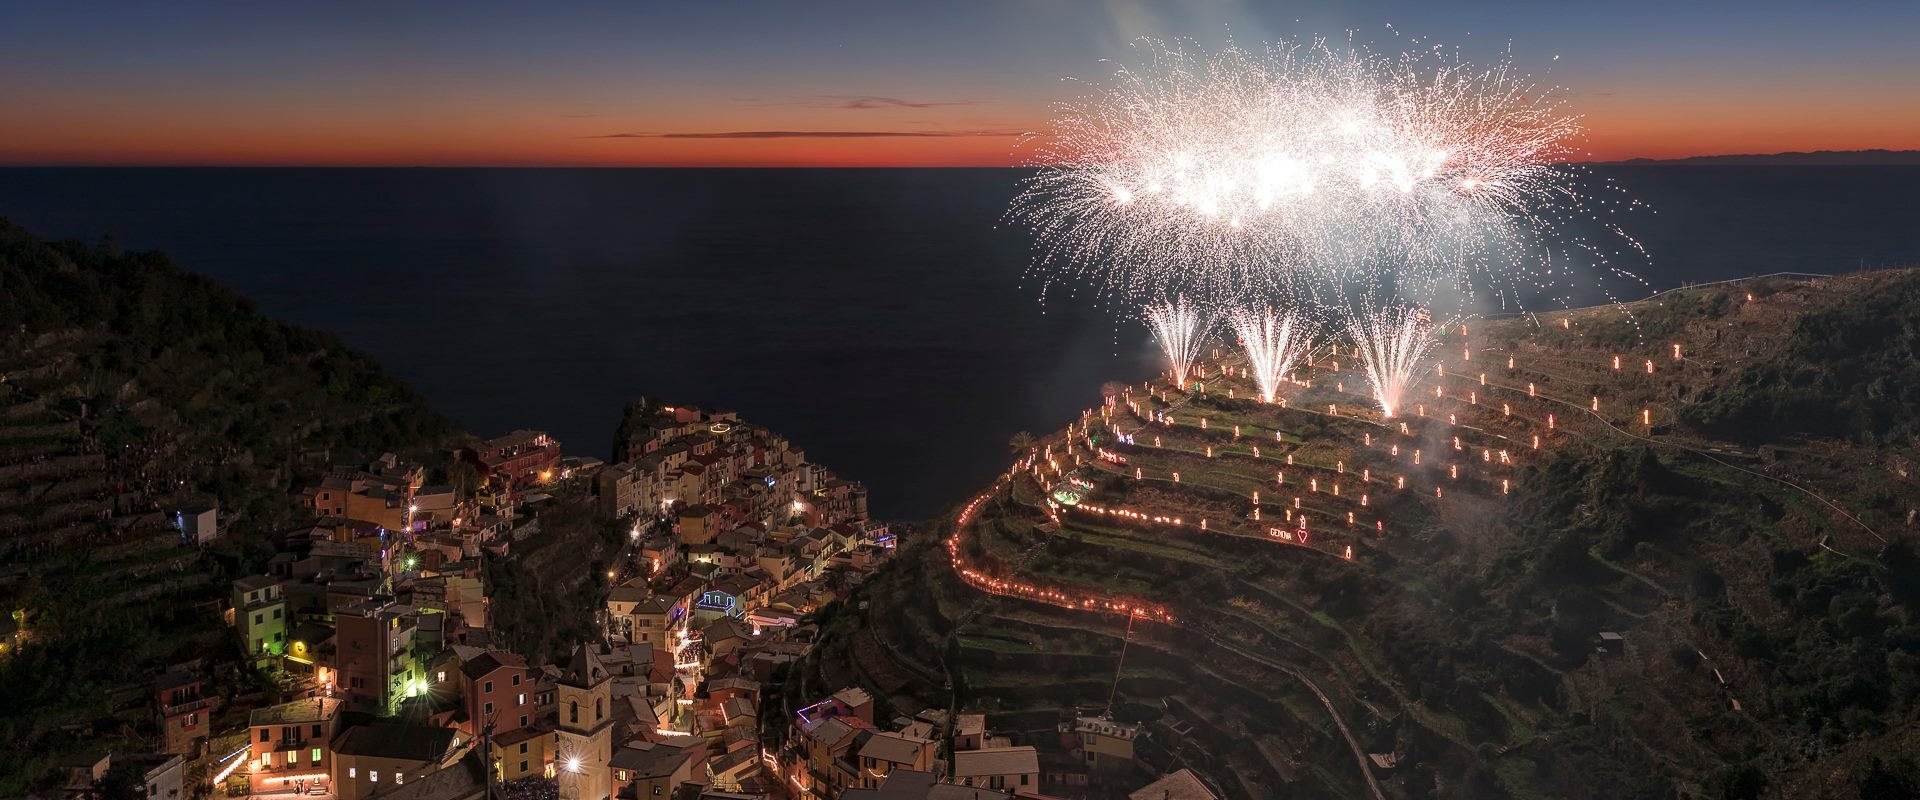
(1274, 344)
(1179, 327)
(1290, 171)
(1393, 343)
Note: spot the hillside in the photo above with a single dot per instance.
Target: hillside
(132, 389)
(1720, 476)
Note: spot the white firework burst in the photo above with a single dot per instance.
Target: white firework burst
(1180, 327)
(1303, 169)
(1274, 344)
(1393, 343)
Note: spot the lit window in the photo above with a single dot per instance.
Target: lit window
(316, 755)
(523, 698)
(373, 775)
(400, 777)
(353, 772)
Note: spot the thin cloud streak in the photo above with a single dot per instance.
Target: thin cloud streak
(853, 102)
(861, 101)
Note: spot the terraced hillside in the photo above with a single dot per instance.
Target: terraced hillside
(1308, 583)
(130, 390)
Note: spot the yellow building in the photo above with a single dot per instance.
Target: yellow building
(584, 734)
(1106, 745)
(522, 753)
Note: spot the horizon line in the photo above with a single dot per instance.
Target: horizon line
(1631, 160)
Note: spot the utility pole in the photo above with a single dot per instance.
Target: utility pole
(1108, 713)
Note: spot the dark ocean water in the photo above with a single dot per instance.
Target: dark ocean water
(876, 317)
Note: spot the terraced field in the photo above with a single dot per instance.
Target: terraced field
(1307, 583)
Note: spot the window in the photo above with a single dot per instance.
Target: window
(276, 613)
(1023, 780)
(440, 677)
(573, 711)
(522, 700)
(487, 708)
(523, 723)
(487, 687)
(316, 731)
(316, 755)
(353, 772)
(399, 777)
(523, 751)
(191, 720)
(516, 680)
(259, 618)
(656, 789)
(373, 775)
(523, 764)
(597, 710)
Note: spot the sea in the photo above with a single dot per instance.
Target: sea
(886, 321)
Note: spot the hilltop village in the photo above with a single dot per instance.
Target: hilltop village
(374, 625)
(373, 622)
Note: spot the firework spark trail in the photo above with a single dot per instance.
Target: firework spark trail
(1393, 343)
(1275, 173)
(1179, 327)
(1274, 344)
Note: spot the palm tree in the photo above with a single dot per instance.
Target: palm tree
(1021, 442)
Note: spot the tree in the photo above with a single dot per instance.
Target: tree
(1021, 442)
(465, 477)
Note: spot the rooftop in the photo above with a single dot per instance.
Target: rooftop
(1182, 785)
(426, 743)
(299, 711)
(894, 747)
(996, 761)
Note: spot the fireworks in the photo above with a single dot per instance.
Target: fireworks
(1302, 169)
(1274, 344)
(1179, 327)
(1393, 342)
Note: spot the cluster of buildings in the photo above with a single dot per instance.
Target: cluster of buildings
(835, 749)
(678, 456)
(373, 623)
(373, 620)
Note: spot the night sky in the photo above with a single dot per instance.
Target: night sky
(864, 83)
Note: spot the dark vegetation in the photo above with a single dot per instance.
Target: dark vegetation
(1847, 372)
(133, 388)
(545, 598)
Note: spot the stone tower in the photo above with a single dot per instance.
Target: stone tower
(585, 729)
